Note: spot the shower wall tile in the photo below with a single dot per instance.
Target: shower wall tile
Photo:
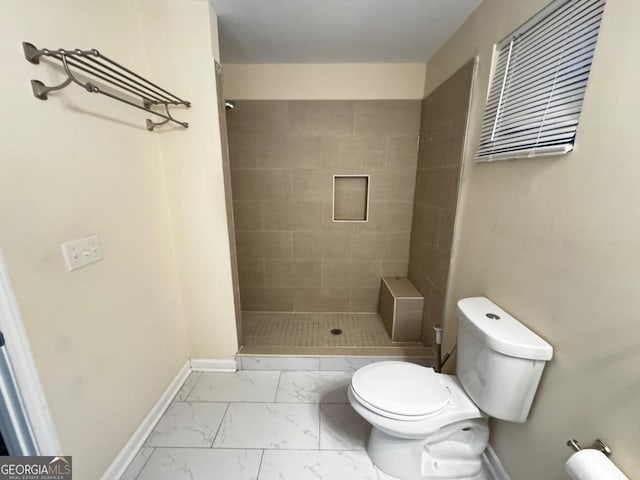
(292, 255)
(255, 184)
(398, 216)
(321, 299)
(442, 186)
(446, 221)
(375, 220)
(292, 273)
(426, 221)
(267, 299)
(247, 215)
(360, 151)
(328, 225)
(320, 118)
(311, 184)
(397, 268)
(393, 185)
(442, 136)
(242, 151)
(435, 266)
(387, 117)
(335, 273)
(294, 216)
(294, 152)
(436, 306)
(364, 273)
(251, 272)
(264, 245)
(402, 152)
(353, 273)
(364, 299)
(322, 245)
(259, 117)
(383, 246)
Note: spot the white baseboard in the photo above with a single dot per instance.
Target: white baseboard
(494, 465)
(213, 365)
(130, 449)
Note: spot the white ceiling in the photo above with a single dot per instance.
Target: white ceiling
(336, 31)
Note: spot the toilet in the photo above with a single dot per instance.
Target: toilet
(429, 426)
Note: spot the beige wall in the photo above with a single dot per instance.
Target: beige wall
(324, 81)
(107, 339)
(291, 255)
(555, 242)
(442, 132)
(194, 177)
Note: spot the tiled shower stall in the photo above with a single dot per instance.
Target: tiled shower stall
(298, 266)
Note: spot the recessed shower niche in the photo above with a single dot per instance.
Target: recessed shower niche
(350, 198)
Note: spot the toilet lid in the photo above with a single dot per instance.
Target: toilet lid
(400, 388)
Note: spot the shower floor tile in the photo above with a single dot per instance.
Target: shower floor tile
(285, 329)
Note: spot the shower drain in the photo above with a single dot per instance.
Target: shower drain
(336, 331)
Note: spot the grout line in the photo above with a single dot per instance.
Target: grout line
(199, 374)
(182, 447)
(319, 426)
(153, 449)
(274, 402)
(220, 424)
(260, 465)
(277, 387)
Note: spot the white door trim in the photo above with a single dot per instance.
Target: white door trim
(24, 367)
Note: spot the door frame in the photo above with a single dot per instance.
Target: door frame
(34, 401)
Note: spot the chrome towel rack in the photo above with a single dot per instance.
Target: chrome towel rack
(116, 82)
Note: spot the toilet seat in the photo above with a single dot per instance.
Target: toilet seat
(400, 390)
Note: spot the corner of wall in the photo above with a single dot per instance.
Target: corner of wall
(193, 167)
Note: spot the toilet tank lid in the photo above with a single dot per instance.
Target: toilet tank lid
(503, 334)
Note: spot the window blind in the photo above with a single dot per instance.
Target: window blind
(539, 78)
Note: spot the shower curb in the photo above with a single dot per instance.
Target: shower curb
(320, 362)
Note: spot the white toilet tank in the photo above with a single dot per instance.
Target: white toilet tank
(500, 361)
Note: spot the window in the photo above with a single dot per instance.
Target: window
(539, 77)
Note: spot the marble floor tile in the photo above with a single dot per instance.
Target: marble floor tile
(314, 465)
(187, 386)
(201, 464)
(384, 476)
(275, 362)
(341, 428)
(136, 465)
(345, 364)
(241, 386)
(187, 424)
(313, 387)
(269, 425)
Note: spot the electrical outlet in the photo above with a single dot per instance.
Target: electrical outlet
(81, 252)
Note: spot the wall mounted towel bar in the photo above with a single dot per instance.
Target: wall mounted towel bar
(116, 82)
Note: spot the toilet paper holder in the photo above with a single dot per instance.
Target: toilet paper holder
(597, 445)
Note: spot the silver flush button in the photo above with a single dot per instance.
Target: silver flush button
(492, 316)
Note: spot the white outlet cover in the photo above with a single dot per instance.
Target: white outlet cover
(81, 252)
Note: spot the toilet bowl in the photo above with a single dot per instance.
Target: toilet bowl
(431, 426)
(424, 424)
